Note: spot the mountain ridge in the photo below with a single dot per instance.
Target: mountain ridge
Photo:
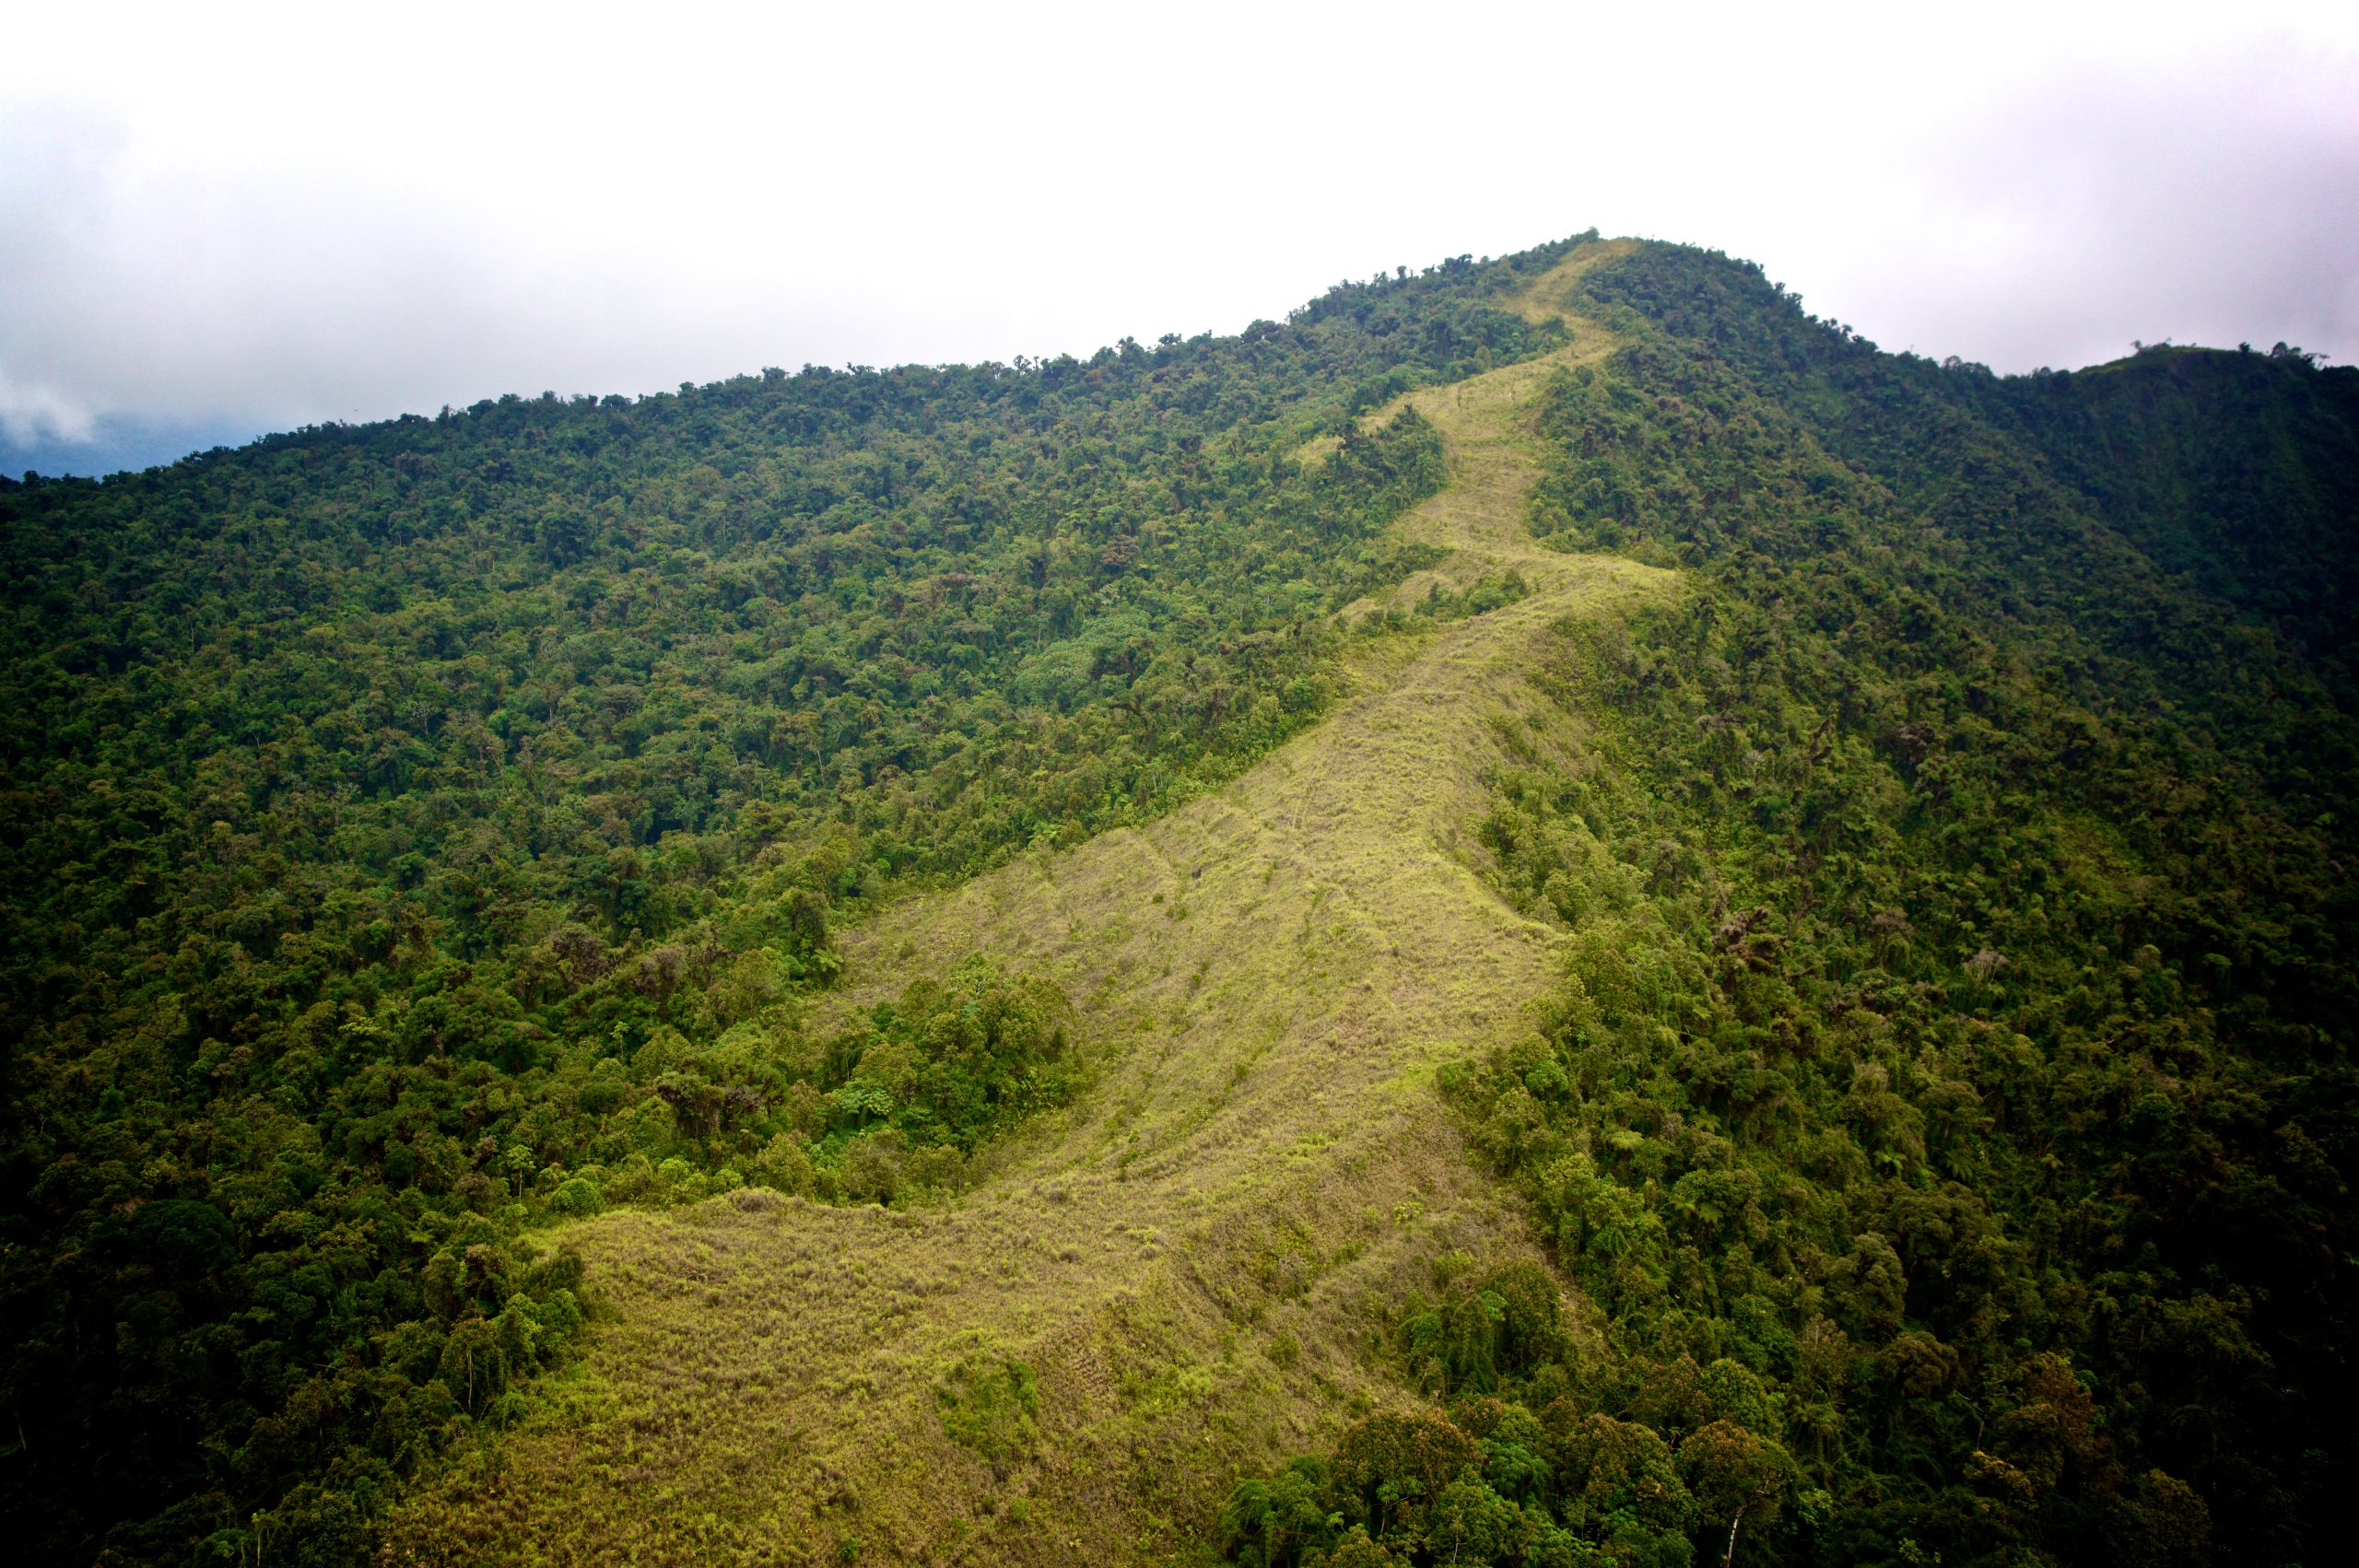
(1550, 878)
(1334, 855)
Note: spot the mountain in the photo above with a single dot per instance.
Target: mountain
(1550, 912)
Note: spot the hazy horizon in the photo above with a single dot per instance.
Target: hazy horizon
(214, 230)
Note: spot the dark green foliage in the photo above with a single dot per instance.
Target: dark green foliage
(1948, 1113)
(1388, 1470)
(988, 1404)
(1273, 1522)
(1956, 1085)
(1490, 592)
(2233, 474)
(1494, 1483)
(417, 831)
(1479, 1334)
(928, 1081)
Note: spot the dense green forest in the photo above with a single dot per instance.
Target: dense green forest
(424, 833)
(418, 831)
(1945, 1118)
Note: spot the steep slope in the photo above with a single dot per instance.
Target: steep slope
(402, 815)
(1841, 1051)
(1948, 1111)
(1190, 1262)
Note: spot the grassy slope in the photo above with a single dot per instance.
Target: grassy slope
(1192, 1258)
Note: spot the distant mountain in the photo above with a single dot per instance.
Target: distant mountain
(114, 446)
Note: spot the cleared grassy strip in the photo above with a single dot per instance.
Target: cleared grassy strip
(1176, 1277)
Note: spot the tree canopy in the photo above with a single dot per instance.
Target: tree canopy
(1946, 1115)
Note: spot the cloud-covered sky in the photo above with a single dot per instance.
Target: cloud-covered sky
(221, 220)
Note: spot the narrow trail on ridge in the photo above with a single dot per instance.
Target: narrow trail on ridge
(1189, 1258)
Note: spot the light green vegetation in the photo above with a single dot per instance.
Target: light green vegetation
(1189, 1261)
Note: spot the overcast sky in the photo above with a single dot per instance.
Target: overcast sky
(221, 220)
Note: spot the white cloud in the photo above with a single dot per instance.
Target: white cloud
(30, 414)
(277, 215)
(2212, 204)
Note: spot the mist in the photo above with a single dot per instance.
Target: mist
(211, 228)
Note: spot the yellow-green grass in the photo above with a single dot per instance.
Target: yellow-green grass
(1199, 1257)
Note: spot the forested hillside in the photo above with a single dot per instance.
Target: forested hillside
(425, 837)
(1947, 1115)
(415, 827)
